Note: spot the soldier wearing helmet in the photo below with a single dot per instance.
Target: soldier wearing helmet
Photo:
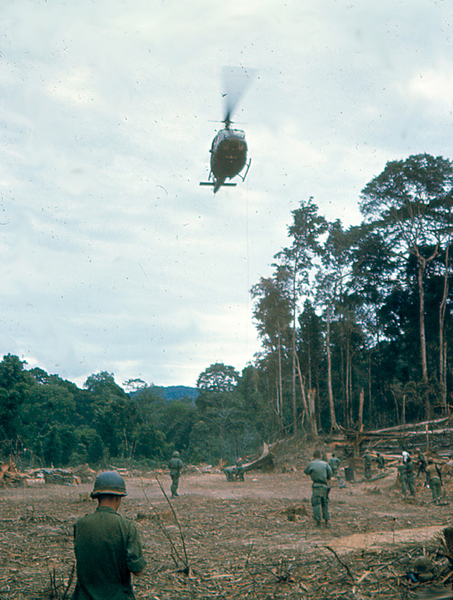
(107, 546)
(175, 466)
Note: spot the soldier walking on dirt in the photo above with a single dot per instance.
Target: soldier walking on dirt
(321, 474)
(421, 462)
(402, 476)
(410, 476)
(380, 460)
(433, 481)
(239, 470)
(175, 466)
(107, 546)
(334, 463)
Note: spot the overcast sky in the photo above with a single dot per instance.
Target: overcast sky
(112, 258)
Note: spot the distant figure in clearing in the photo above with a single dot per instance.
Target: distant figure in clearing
(380, 461)
(410, 476)
(334, 463)
(433, 481)
(402, 476)
(367, 464)
(175, 466)
(421, 462)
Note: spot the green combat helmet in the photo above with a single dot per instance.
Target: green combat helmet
(109, 482)
(176, 454)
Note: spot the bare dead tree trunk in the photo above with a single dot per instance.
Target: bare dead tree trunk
(349, 380)
(442, 344)
(422, 262)
(312, 409)
(302, 388)
(308, 409)
(370, 404)
(360, 423)
(421, 292)
(396, 406)
(447, 410)
(333, 420)
(294, 379)
(280, 383)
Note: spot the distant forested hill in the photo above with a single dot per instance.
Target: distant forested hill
(178, 392)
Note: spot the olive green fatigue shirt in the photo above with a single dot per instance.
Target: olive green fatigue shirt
(367, 461)
(334, 463)
(175, 466)
(107, 549)
(433, 480)
(410, 475)
(319, 471)
(403, 477)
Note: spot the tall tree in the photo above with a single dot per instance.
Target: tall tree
(221, 405)
(272, 312)
(310, 349)
(14, 381)
(333, 277)
(305, 231)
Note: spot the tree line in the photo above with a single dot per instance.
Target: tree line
(48, 421)
(354, 324)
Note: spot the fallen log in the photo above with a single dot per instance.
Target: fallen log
(411, 425)
(265, 461)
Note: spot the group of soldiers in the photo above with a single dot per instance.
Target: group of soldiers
(367, 463)
(322, 470)
(433, 475)
(407, 474)
(108, 548)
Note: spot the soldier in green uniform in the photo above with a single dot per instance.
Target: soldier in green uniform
(321, 474)
(410, 476)
(367, 464)
(402, 476)
(380, 461)
(239, 470)
(107, 546)
(334, 463)
(175, 466)
(421, 462)
(433, 481)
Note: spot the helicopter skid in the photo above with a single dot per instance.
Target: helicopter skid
(213, 184)
(247, 170)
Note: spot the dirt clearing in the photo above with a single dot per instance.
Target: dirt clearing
(246, 539)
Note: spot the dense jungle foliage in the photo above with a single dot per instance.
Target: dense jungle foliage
(355, 326)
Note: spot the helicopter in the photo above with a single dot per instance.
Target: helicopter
(229, 147)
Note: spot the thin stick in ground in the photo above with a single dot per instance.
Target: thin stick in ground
(184, 560)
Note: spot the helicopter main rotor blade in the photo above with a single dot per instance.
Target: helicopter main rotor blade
(235, 82)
